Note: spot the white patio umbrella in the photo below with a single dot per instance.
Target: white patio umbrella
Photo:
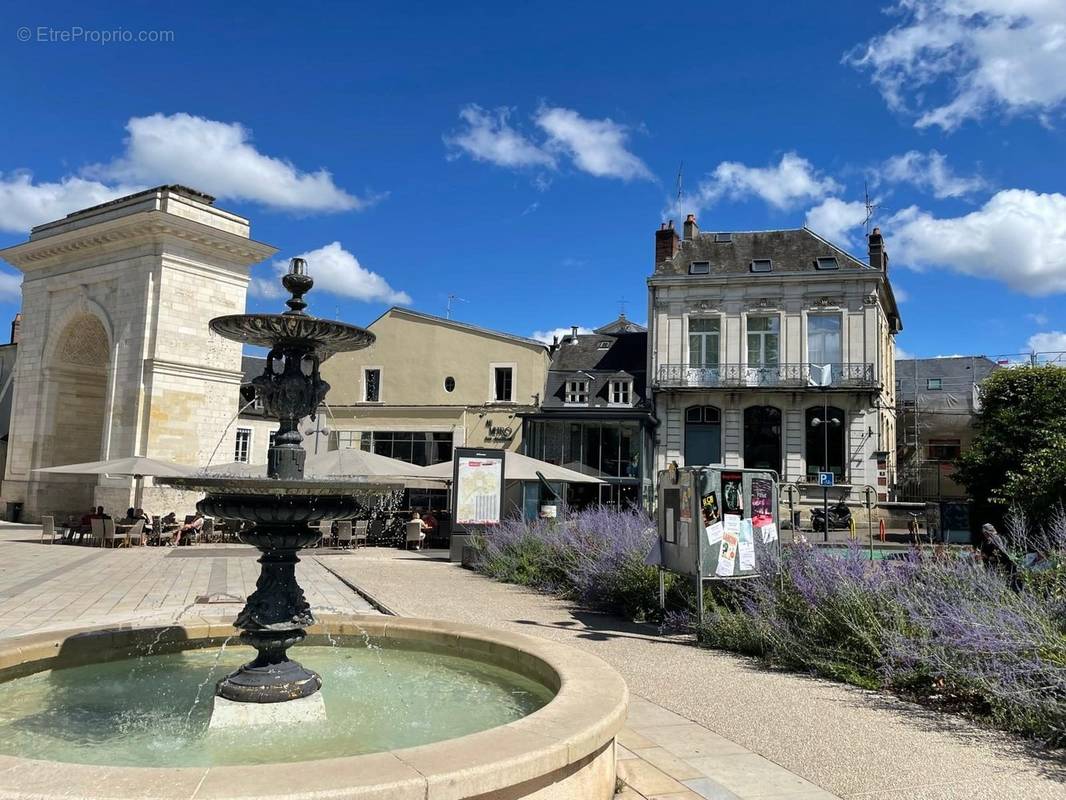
(517, 467)
(346, 462)
(138, 467)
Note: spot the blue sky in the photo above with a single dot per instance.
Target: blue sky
(520, 156)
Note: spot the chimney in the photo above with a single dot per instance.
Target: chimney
(691, 229)
(666, 242)
(573, 334)
(878, 256)
(16, 328)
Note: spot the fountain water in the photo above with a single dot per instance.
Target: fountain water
(280, 507)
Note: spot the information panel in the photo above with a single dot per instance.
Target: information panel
(477, 486)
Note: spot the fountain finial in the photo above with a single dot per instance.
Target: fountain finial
(298, 283)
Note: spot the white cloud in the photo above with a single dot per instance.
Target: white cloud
(337, 271)
(1018, 237)
(10, 286)
(24, 203)
(783, 185)
(901, 294)
(597, 146)
(930, 171)
(905, 355)
(1038, 319)
(219, 158)
(489, 137)
(839, 221)
(955, 60)
(1049, 342)
(548, 336)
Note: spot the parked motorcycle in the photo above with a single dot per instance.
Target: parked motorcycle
(839, 517)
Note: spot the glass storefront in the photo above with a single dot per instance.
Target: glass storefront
(615, 451)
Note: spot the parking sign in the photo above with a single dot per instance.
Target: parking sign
(825, 478)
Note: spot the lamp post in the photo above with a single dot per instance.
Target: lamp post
(824, 423)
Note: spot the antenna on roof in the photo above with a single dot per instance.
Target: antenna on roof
(452, 298)
(622, 306)
(870, 207)
(680, 193)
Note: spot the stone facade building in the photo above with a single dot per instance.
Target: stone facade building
(754, 335)
(115, 357)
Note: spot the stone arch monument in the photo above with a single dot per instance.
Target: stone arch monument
(115, 357)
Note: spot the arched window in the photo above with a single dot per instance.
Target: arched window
(762, 438)
(826, 440)
(703, 436)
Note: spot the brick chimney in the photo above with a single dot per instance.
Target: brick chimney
(878, 256)
(667, 242)
(16, 328)
(691, 229)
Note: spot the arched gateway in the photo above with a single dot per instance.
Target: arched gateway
(115, 357)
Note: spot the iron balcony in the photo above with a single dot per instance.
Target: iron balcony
(775, 376)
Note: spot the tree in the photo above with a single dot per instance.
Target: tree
(1018, 455)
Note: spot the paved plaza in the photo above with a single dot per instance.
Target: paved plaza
(701, 724)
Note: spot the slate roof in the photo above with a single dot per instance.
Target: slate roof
(791, 251)
(957, 375)
(625, 356)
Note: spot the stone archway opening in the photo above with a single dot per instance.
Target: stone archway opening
(78, 371)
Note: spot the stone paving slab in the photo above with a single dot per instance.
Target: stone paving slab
(726, 716)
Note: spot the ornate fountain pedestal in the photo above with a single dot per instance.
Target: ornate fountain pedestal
(276, 512)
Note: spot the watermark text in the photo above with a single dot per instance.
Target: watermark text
(76, 34)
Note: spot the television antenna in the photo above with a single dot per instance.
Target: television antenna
(452, 298)
(870, 205)
(680, 192)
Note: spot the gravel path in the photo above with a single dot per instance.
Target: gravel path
(853, 743)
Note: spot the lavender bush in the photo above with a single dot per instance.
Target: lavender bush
(595, 557)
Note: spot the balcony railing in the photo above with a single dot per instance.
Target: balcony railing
(776, 376)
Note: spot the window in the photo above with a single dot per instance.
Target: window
(703, 341)
(699, 268)
(763, 341)
(762, 265)
(503, 384)
(621, 392)
(829, 262)
(348, 440)
(703, 436)
(424, 448)
(944, 449)
(604, 345)
(824, 341)
(372, 385)
(825, 442)
(449, 384)
(257, 403)
(762, 438)
(243, 447)
(723, 238)
(577, 391)
(934, 384)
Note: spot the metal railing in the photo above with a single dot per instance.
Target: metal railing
(775, 376)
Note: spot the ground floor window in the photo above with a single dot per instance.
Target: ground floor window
(826, 433)
(243, 446)
(424, 448)
(605, 449)
(762, 438)
(703, 436)
(943, 449)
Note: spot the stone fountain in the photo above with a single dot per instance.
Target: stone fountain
(276, 512)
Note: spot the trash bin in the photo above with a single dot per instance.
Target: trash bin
(14, 512)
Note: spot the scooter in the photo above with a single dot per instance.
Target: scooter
(839, 517)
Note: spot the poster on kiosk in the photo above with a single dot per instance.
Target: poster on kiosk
(717, 523)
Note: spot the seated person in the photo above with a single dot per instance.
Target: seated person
(141, 514)
(429, 523)
(193, 526)
(100, 514)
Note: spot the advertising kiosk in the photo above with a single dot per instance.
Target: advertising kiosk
(717, 523)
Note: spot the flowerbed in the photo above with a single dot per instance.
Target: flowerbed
(942, 628)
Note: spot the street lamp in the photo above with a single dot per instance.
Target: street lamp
(824, 423)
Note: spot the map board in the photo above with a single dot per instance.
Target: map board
(477, 486)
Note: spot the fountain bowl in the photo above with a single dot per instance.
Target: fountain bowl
(566, 749)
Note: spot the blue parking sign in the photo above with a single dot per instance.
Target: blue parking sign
(825, 478)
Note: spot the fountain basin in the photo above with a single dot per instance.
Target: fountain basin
(563, 750)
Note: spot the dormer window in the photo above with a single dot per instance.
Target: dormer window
(762, 265)
(723, 238)
(577, 392)
(699, 268)
(621, 392)
(828, 262)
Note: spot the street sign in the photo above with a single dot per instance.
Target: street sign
(870, 496)
(825, 478)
